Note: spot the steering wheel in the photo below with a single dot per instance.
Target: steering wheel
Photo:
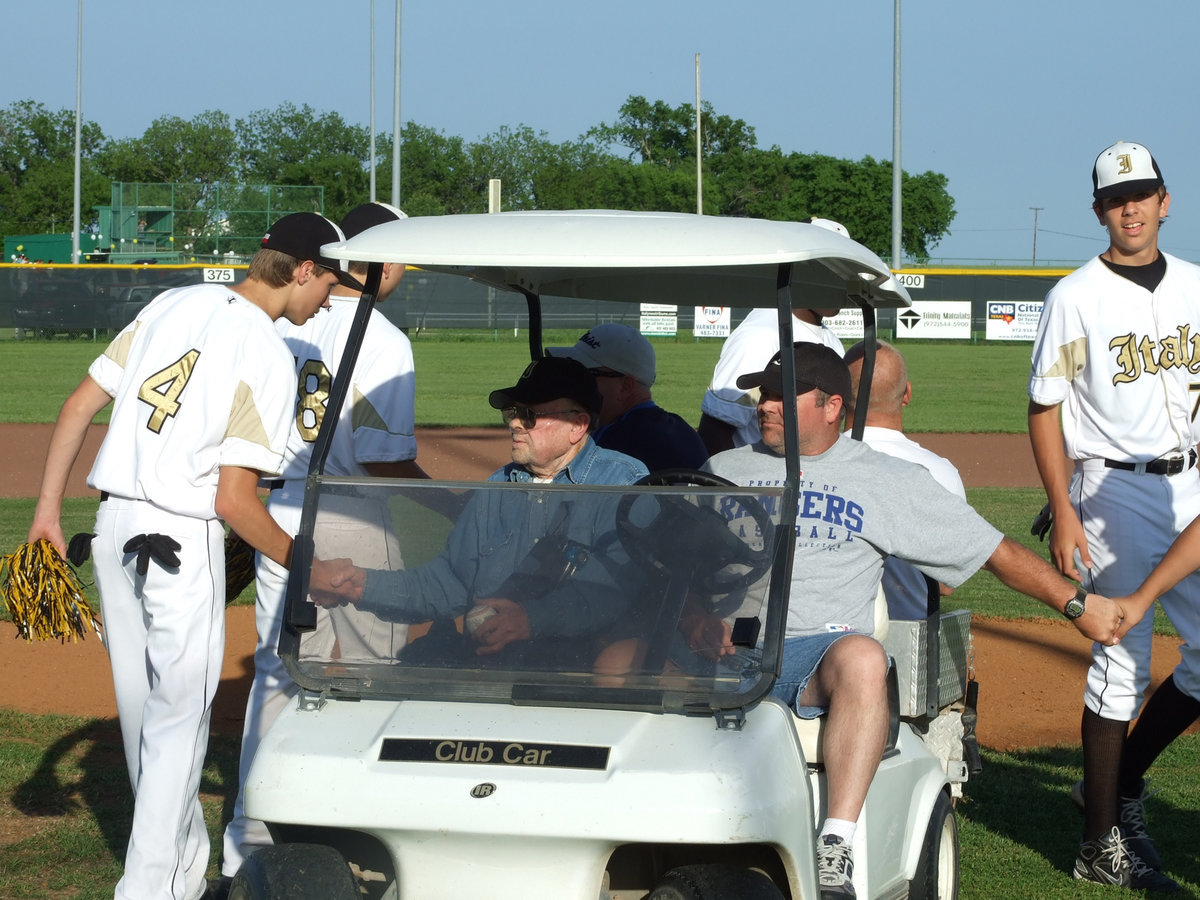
(683, 536)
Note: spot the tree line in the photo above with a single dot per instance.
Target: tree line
(644, 160)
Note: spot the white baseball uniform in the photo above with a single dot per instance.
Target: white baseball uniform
(376, 425)
(748, 349)
(904, 587)
(200, 380)
(1122, 361)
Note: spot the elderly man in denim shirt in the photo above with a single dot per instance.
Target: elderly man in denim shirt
(529, 567)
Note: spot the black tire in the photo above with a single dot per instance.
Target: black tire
(936, 877)
(714, 881)
(294, 872)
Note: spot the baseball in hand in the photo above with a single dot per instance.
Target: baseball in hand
(476, 616)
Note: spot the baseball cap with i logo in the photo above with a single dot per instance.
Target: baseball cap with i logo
(1124, 168)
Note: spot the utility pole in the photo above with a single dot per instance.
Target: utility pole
(1035, 209)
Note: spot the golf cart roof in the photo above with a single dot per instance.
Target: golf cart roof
(677, 258)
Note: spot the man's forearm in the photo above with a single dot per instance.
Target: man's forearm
(240, 508)
(1023, 570)
(66, 441)
(1046, 440)
(1181, 560)
(427, 592)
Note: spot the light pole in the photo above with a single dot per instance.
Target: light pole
(78, 128)
(1035, 209)
(372, 101)
(396, 118)
(897, 203)
(699, 172)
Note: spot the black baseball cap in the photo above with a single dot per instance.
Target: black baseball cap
(302, 235)
(817, 367)
(549, 378)
(368, 215)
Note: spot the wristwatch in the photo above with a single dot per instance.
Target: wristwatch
(1074, 608)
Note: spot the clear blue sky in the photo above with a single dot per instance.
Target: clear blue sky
(1011, 101)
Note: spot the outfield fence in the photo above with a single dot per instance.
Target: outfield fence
(94, 301)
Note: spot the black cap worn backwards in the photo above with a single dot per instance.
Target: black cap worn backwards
(817, 366)
(302, 235)
(368, 215)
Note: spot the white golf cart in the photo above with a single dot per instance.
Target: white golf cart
(602, 758)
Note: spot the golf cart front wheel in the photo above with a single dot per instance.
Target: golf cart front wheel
(937, 867)
(294, 872)
(714, 882)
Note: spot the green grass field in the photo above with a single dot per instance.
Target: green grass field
(64, 797)
(956, 386)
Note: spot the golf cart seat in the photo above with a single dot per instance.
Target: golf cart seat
(812, 731)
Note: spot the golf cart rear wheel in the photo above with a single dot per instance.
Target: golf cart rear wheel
(714, 881)
(937, 867)
(294, 872)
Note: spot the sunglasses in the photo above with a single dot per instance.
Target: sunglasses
(605, 373)
(528, 417)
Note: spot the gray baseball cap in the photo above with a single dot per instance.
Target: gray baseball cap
(613, 346)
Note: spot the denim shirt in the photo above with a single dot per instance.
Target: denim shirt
(488, 553)
(591, 465)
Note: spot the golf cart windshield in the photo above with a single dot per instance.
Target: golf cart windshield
(640, 596)
(668, 596)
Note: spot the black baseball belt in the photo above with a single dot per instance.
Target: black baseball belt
(1167, 465)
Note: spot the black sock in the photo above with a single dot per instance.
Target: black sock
(1103, 740)
(1168, 713)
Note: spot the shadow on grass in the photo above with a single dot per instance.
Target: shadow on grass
(84, 772)
(1025, 798)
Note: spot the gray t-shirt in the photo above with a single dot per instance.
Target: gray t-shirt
(856, 507)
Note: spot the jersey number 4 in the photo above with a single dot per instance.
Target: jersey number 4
(162, 389)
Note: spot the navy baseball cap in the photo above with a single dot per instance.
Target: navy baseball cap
(302, 235)
(549, 378)
(817, 367)
(1124, 168)
(368, 215)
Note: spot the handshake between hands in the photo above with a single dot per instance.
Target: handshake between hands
(336, 582)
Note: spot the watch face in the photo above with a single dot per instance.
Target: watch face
(1073, 609)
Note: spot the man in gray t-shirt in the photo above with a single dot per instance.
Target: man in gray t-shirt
(856, 507)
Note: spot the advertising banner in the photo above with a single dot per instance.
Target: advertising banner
(711, 321)
(847, 325)
(659, 319)
(1011, 320)
(945, 319)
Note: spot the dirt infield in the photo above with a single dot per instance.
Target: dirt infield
(471, 454)
(1031, 674)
